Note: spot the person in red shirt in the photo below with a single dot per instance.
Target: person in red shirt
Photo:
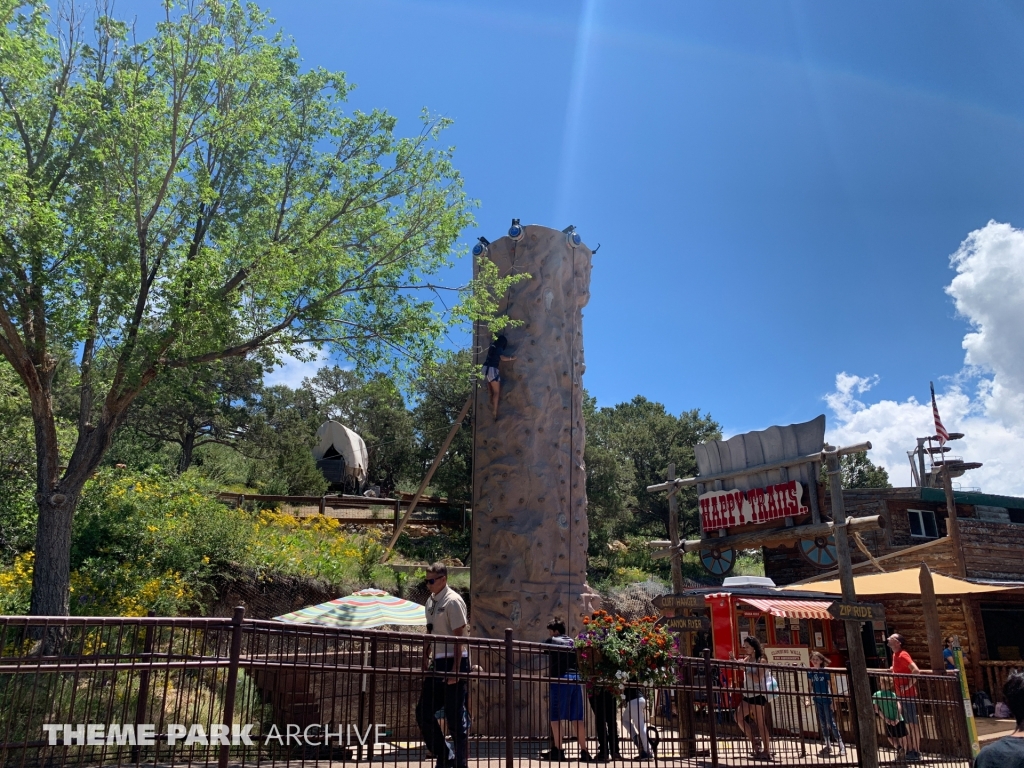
(906, 693)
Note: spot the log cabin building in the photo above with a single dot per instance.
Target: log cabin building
(917, 530)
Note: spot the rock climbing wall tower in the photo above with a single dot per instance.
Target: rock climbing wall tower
(529, 560)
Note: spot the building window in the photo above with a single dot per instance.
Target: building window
(922, 524)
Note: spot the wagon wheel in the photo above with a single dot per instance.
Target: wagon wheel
(717, 562)
(819, 552)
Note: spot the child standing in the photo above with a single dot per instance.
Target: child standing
(888, 706)
(821, 693)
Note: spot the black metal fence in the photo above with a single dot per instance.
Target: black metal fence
(159, 691)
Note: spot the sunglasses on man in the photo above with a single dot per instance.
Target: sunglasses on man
(436, 578)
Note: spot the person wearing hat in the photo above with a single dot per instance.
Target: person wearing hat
(443, 687)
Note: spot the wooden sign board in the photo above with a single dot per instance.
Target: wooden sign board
(857, 611)
(758, 506)
(688, 623)
(693, 602)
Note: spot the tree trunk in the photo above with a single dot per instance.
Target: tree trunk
(187, 448)
(57, 498)
(52, 576)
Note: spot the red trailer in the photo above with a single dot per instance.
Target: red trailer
(790, 625)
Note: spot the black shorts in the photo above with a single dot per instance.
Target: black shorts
(897, 731)
(759, 699)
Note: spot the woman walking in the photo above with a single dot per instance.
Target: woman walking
(750, 714)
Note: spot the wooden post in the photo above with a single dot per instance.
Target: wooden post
(510, 702)
(673, 534)
(867, 743)
(398, 510)
(772, 537)
(931, 621)
(975, 643)
(429, 475)
(953, 524)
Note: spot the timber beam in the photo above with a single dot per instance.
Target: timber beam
(684, 482)
(772, 538)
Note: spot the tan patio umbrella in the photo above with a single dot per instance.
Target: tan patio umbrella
(904, 582)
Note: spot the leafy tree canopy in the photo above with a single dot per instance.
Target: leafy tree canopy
(197, 406)
(169, 202)
(858, 471)
(440, 399)
(374, 408)
(629, 447)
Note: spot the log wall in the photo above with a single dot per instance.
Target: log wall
(785, 566)
(905, 615)
(993, 550)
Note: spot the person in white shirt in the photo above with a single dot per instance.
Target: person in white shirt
(446, 616)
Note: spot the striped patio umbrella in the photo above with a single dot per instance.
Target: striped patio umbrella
(364, 609)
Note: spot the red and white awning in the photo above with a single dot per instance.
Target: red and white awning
(790, 609)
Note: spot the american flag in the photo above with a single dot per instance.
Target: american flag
(940, 430)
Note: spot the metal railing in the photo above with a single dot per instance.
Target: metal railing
(159, 691)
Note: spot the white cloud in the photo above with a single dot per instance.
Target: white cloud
(985, 400)
(292, 370)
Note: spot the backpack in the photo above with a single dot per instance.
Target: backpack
(983, 706)
(771, 687)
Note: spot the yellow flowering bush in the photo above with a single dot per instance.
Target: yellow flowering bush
(16, 585)
(305, 546)
(146, 542)
(143, 541)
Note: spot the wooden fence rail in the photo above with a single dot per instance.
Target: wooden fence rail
(458, 511)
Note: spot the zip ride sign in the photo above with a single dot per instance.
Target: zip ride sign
(857, 611)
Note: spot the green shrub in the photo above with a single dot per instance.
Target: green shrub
(146, 541)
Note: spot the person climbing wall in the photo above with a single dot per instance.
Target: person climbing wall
(530, 534)
(492, 374)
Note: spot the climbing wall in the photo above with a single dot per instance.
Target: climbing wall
(529, 560)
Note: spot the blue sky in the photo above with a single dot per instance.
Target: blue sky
(777, 187)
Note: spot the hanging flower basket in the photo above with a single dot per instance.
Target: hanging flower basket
(615, 654)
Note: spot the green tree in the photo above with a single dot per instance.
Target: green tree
(441, 396)
(197, 196)
(858, 471)
(193, 407)
(375, 409)
(279, 440)
(631, 446)
(17, 512)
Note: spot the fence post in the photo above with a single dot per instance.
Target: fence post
(143, 700)
(854, 720)
(232, 681)
(372, 693)
(800, 714)
(712, 736)
(509, 700)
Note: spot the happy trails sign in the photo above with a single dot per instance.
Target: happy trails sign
(758, 479)
(728, 509)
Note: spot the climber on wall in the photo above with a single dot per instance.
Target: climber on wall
(492, 375)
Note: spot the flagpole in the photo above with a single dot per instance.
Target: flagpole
(952, 523)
